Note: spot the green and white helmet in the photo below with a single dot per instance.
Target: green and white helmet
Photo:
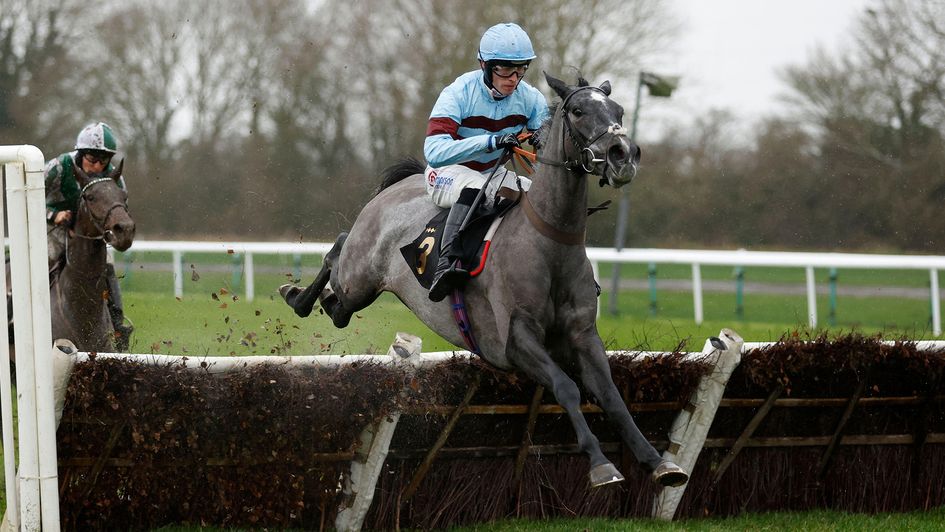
(98, 137)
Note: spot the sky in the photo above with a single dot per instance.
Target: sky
(730, 51)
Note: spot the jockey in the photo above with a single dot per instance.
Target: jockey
(94, 148)
(474, 121)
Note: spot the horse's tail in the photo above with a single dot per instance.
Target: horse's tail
(400, 170)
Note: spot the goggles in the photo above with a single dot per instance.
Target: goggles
(506, 71)
(98, 158)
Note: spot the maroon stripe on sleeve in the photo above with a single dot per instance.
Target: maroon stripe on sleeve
(490, 124)
(440, 125)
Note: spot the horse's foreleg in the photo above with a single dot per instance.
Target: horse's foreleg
(597, 379)
(532, 358)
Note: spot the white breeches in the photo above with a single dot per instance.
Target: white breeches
(445, 183)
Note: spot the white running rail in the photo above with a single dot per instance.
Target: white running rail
(693, 257)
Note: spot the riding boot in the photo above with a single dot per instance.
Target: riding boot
(448, 274)
(116, 311)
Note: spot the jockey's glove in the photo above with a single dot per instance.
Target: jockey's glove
(537, 139)
(504, 141)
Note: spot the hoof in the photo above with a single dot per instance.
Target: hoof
(289, 292)
(669, 475)
(604, 474)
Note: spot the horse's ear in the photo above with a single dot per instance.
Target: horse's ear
(116, 173)
(560, 87)
(605, 87)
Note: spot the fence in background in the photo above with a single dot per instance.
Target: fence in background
(692, 257)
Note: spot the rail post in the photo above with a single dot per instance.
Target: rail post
(832, 317)
(936, 304)
(375, 443)
(739, 292)
(697, 292)
(811, 297)
(651, 277)
(178, 259)
(689, 430)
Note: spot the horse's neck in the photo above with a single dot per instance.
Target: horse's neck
(78, 299)
(559, 195)
(83, 276)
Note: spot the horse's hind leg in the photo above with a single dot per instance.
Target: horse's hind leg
(303, 301)
(340, 316)
(595, 374)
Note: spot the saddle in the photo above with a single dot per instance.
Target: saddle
(472, 242)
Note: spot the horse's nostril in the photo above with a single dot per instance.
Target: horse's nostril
(617, 153)
(124, 227)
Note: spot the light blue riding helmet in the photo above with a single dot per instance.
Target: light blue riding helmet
(506, 42)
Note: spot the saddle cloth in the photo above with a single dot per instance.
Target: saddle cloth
(423, 252)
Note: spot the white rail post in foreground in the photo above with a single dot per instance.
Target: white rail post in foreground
(38, 474)
(375, 442)
(12, 517)
(690, 428)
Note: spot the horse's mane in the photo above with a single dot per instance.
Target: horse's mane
(400, 170)
(553, 108)
(545, 126)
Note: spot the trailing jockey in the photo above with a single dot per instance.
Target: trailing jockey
(474, 121)
(94, 148)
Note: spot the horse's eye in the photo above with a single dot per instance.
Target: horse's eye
(577, 112)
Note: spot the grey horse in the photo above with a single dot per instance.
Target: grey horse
(78, 294)
(533, 308)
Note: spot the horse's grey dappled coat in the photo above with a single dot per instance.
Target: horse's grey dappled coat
(534, 306)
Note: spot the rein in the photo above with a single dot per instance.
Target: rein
(548, 230)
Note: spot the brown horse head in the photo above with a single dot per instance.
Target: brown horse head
(103, 209)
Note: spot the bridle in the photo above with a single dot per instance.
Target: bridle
(582, 165)
(98, 223)
(586, 159)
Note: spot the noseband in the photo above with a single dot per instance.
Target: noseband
(586, 158)
(99, 224)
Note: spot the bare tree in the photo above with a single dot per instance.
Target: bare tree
(223, 104)
(35, 67)
(893, 81)
(602, 38)
(880, 113)
(409, 50)
(140, 92)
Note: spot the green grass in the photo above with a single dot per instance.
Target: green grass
(201, 325)
(211, 321)
(820, 520)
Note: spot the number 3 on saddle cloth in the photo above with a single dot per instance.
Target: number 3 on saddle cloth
(473, 243)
